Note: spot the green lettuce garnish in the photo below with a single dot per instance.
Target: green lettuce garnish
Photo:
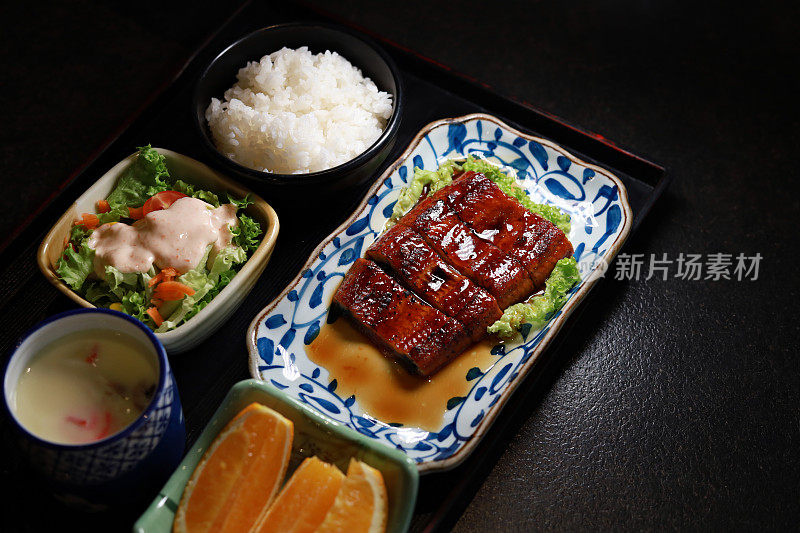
(131, 289)
(207, 282)
(120, 282)
(241, 203)
(247, 234)
(136, 303)
(74, 267)
(222, 281)
(78, 233)
(434, 180)
(98, 293)
(141, 180)
(190, 190)
(221, 274)
(538, 310)
(225, 260)
(115, 215)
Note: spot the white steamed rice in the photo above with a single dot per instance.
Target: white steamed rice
(294, 112)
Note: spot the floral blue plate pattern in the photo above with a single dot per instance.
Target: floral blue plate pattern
(601, 219)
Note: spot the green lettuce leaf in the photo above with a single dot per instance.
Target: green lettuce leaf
(116, 279)
(538, 310)
(98, 293)
(190, 190)
(78, 233)
(119, 283)
(433, 180)
(197, 278)
(222, 281)
(225, 259)
(207, 285)
(423, 180)
(246, 234)
(135, 303)
(141, 180)
(113, 216)
(241, 204)
(74, 267)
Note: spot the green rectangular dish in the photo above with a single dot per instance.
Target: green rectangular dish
(314, 434)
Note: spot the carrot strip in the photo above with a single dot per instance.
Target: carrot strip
(103, 207)
(170, 273)
(169, 296)
(77, 421)
(156, 279)
(136, 213)
(172, 290)
(156, 316)
(106, 430)
(177, 285)
(88, 221)
(92, 357)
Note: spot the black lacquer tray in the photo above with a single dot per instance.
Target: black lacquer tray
(205, 374)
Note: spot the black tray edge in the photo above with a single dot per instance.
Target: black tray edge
(595, 146)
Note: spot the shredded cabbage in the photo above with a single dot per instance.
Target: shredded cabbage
(538, 310)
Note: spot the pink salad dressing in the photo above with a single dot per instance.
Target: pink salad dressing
(175, 237)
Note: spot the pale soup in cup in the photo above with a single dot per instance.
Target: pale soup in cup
(85, 387)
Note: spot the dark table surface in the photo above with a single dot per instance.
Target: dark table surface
(674, 403)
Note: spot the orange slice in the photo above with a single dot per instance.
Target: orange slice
(305, 500)
(239, 474)
(361, 505)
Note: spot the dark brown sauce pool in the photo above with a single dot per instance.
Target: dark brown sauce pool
(383, 388)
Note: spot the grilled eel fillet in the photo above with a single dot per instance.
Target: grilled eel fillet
(406, 255)
(503, 277)
(467, 252)
(397, 321)
(499, 219)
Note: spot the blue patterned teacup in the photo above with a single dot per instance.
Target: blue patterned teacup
(123, 466)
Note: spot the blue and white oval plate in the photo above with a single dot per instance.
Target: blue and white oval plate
(601, 220)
